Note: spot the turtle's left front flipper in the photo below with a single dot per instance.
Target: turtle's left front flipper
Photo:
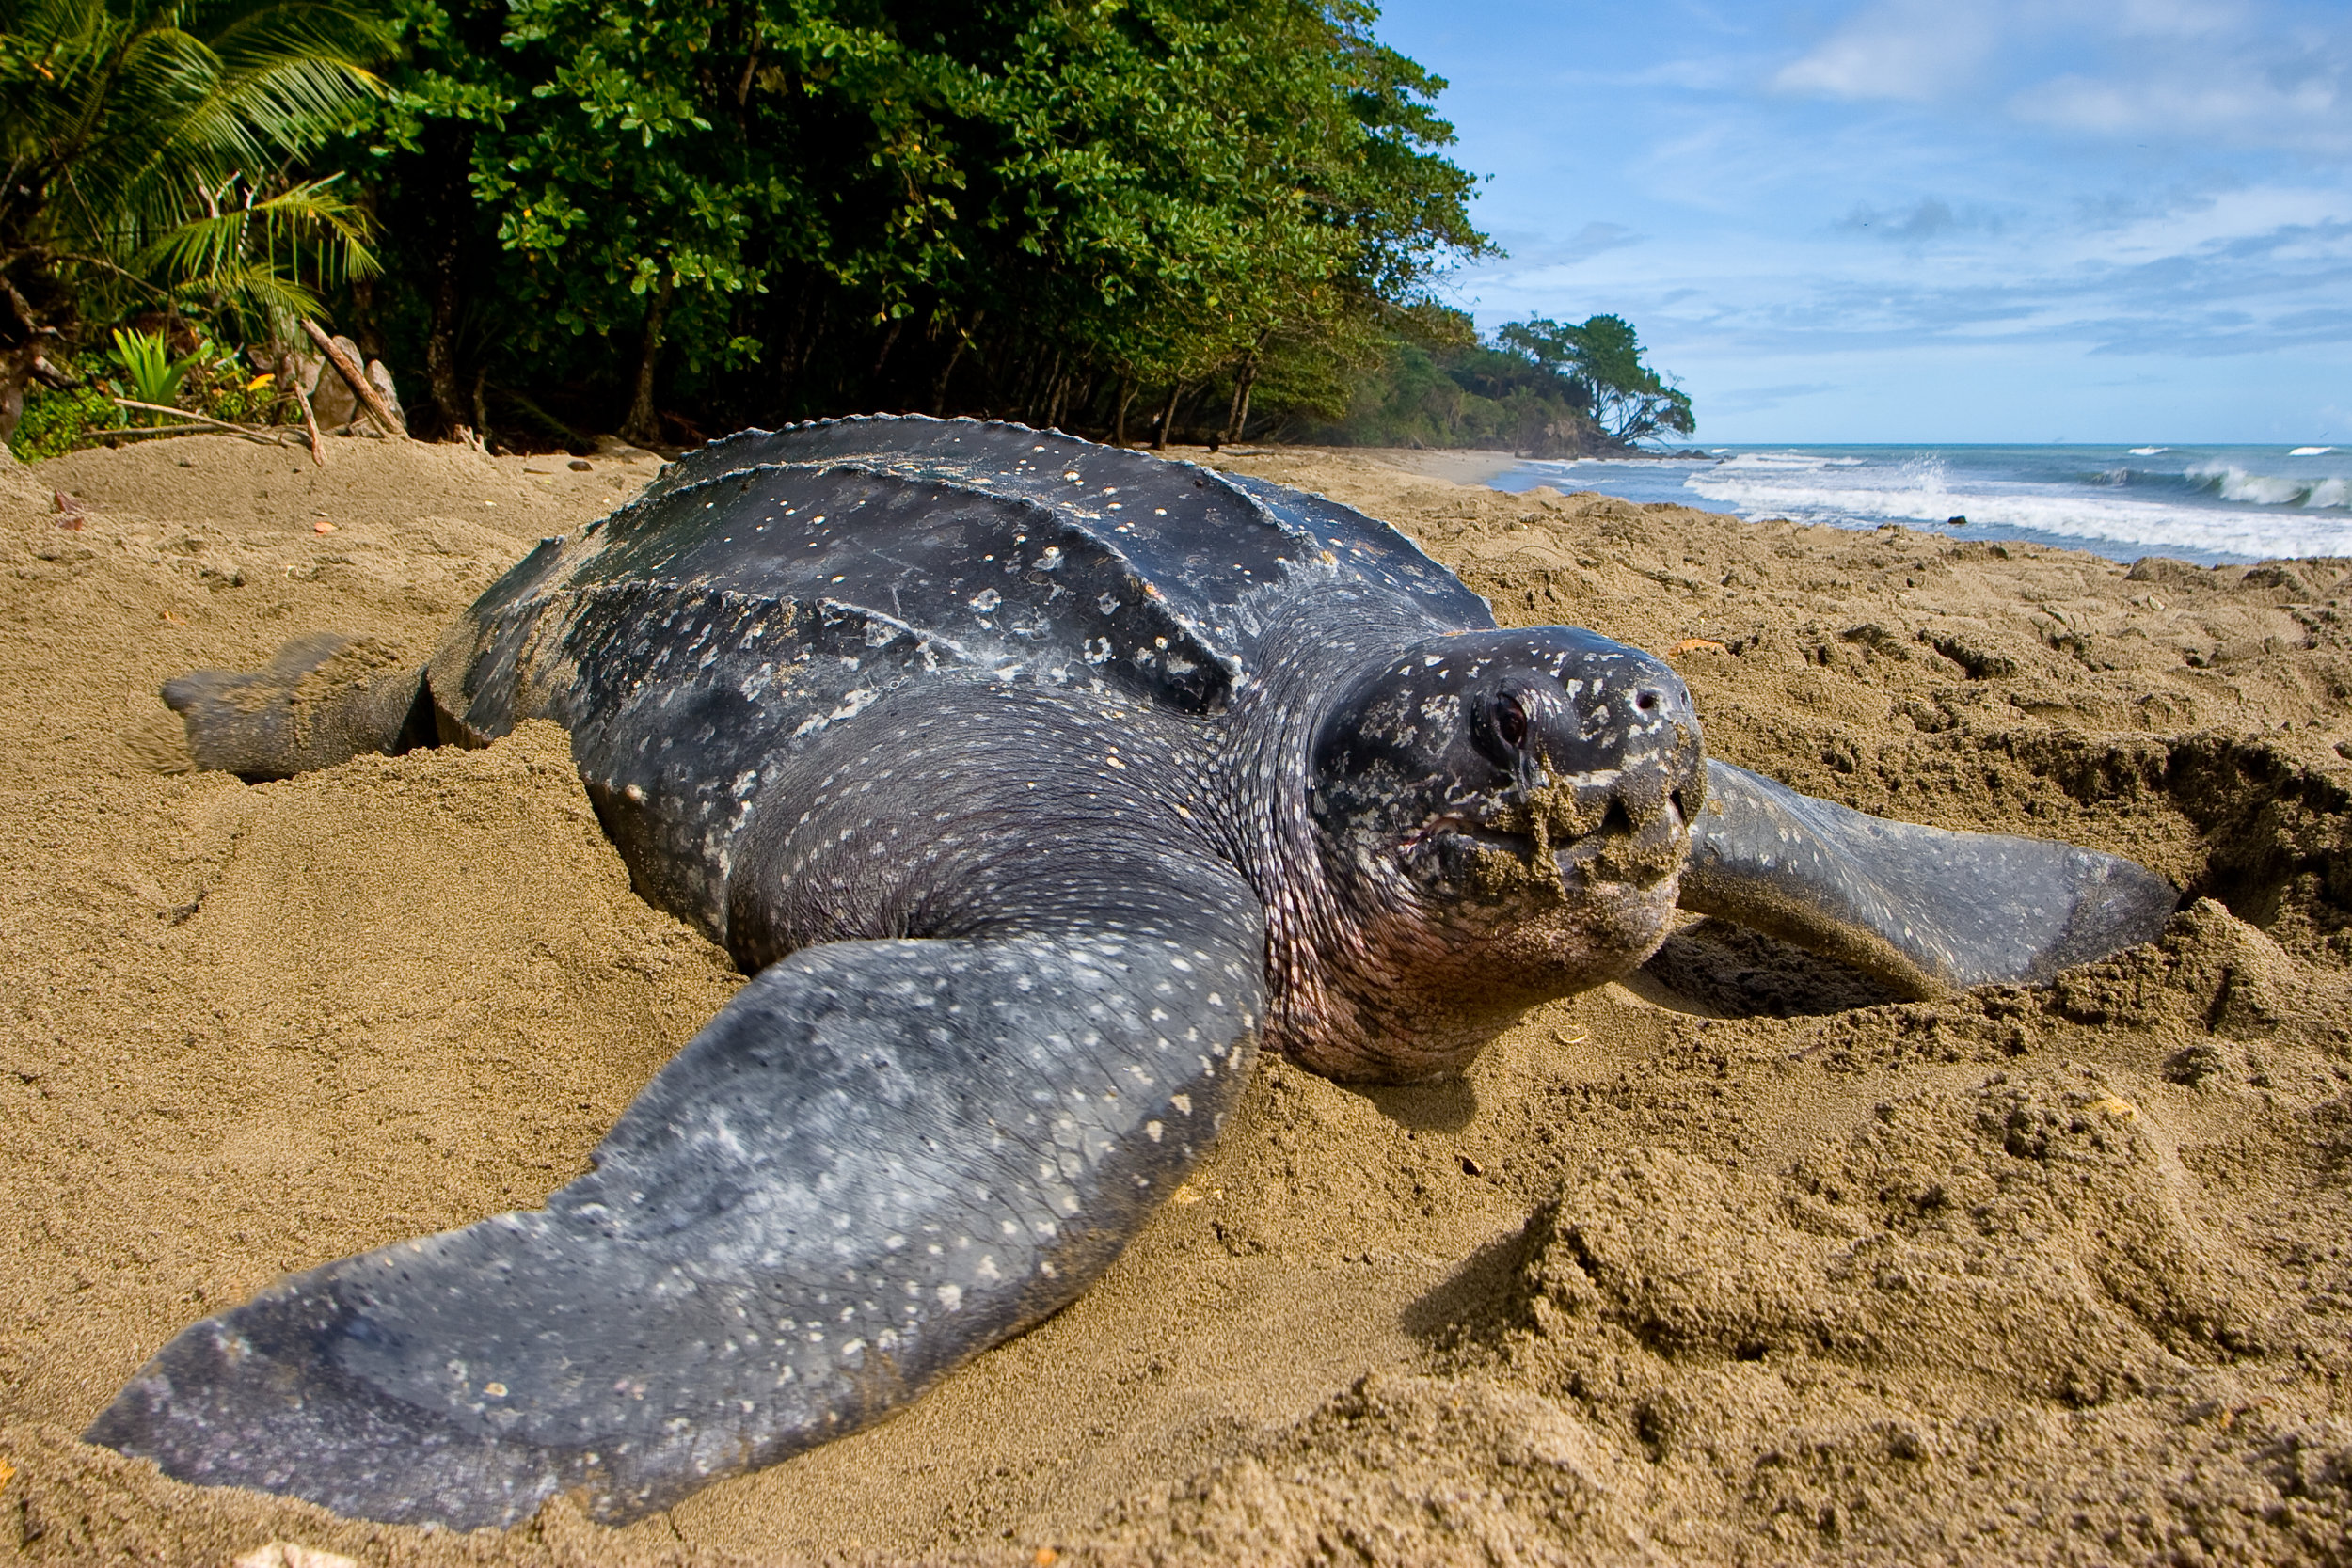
(879, 1159)
(1924, 910)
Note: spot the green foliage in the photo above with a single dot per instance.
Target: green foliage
(146, 145)
(1024, 207)
(54, 422)
(247, 251)
(1626, 399)
(154, 375)
(1094, 213)
(1538, 387)
(228, 393)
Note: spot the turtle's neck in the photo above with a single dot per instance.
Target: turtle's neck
(1360, 986)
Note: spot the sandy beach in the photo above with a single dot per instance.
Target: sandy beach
(1737, 1264)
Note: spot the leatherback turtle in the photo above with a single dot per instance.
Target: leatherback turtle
(1038, 785)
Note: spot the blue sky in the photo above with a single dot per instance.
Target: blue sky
(1905, 220)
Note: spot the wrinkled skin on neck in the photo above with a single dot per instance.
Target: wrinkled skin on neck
(1493, 819)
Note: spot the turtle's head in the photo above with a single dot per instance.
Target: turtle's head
(1511, 810)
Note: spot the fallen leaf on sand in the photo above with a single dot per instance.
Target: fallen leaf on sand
(175, 620)
(321, 526)
(1691, 643)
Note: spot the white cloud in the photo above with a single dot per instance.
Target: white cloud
(2273, 75)
(2242, 99)
(1903, 49)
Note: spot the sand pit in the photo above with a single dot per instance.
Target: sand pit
(1731, 1265)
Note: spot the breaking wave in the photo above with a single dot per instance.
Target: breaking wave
(2234, 483)
(2210, 503)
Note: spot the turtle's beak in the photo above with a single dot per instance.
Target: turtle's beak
(1614, 770)
(1642, 838)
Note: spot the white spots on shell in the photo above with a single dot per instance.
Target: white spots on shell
(1183, 1103)
(986, 600)
(851, 706)
(951, 1296)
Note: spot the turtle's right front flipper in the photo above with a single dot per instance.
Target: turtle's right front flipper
(323, 700)
(1926, 910)
(879, 1159)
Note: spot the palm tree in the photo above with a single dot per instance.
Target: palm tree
(149, 147)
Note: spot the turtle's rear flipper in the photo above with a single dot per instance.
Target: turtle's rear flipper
(1924, 908)
(323, 699)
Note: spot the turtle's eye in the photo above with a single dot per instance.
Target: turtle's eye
(1510, 721)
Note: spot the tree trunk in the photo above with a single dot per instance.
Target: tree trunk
(1052, 385)
(643, 428)
(1119, 420)
(1168, 417)
(1239, 409)
(955, 358)
(451, 150)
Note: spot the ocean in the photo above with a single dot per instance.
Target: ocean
(2207, 504)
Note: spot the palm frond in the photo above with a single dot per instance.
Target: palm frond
(214, 249)
(264, 290)
(126, 111)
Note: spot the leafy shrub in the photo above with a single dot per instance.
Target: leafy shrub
(54, 422)
(230, 395)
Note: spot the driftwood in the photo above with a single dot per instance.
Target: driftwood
(357, 377)
(309, 420)
(204, 424)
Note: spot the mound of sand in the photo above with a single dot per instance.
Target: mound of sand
(1739, 1264)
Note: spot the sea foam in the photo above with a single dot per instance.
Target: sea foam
(2207, 503)
(2234, 483)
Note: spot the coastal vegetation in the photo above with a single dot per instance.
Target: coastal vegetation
(154, 159)
(1138, 218)
(1534, 387)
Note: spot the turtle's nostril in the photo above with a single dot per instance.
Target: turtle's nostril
(1648, 698)
(1674, 797)
(1616, 820)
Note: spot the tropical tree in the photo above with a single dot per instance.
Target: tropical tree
(149, 149)
(775, 208)
(1602, 356)
(1629, 399)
